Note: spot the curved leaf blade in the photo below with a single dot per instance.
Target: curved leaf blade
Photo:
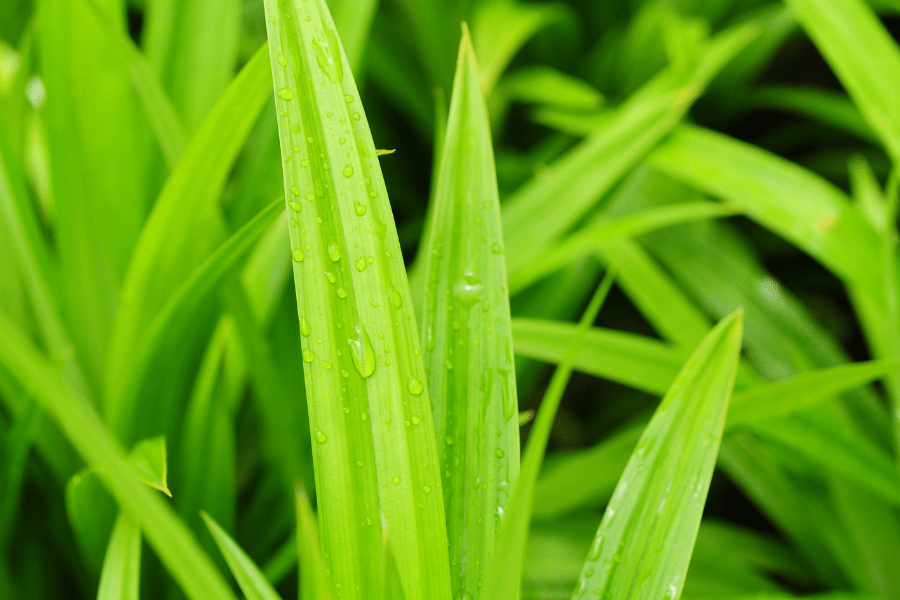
(364, 375)
(659, 501)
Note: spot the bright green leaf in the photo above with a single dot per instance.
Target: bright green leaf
(250, 579)
(362, 365)
(659, 501)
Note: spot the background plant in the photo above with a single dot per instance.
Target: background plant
(645, 168)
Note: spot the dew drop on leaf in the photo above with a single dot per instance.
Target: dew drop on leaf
(414, 386)
(282, 60)
(308, 356)
(396, 479)
(334, 253)
(297, 254)
(348, 171)
(361, 352)
(285, 94)
(321, 437)
(361, 264)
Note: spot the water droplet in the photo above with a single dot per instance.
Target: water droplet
(362, 352)
(448, 440)
(396, 479)
(297, 254)
(308, 356)
(296, 148)
(426, 489)
(295, 190)
(282, 60)
(304, 163)
(285, 94)
(359, 463)
(326, 364)
(462, 595)
(334, 253)
(448, 365)
(360, 209)
(341, 292)
(468, 289)
(321, 437)
(414, 386)
(416, 420)
(356, 116)
(500, 453)
(328, 56)
(310, 196)
(295, 206)
(373, 194)
(496, 249)
(330, 276)
(361, 264)
(348, 98)
(348, 171)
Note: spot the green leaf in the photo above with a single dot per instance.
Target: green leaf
(177, 317)
(659, 501)
(314, 584)
(183, 228)
(863, 55)
(169, 537)
(501, 28)
(149, 457)
(250, 579)
(819, 219)
(827, 107)
(504, 574)
(533, 217)
(193, 47)
(162, 116)
(362, 365)
(546, 85)
(31, 254)
(601, 235)
(120, 578)
(803, 390)
(467, 338)
(353, 20)
(640, 362)
(100, 203)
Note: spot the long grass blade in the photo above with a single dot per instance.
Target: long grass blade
(467, 338)
(183, 227)
(504, 575)
(659, 501)
(863, 55)
(250, 579)
(363, 370)
(120, 578)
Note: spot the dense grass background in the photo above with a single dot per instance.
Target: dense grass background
(145, 276)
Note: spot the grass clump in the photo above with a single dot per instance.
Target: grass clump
(662, 200)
